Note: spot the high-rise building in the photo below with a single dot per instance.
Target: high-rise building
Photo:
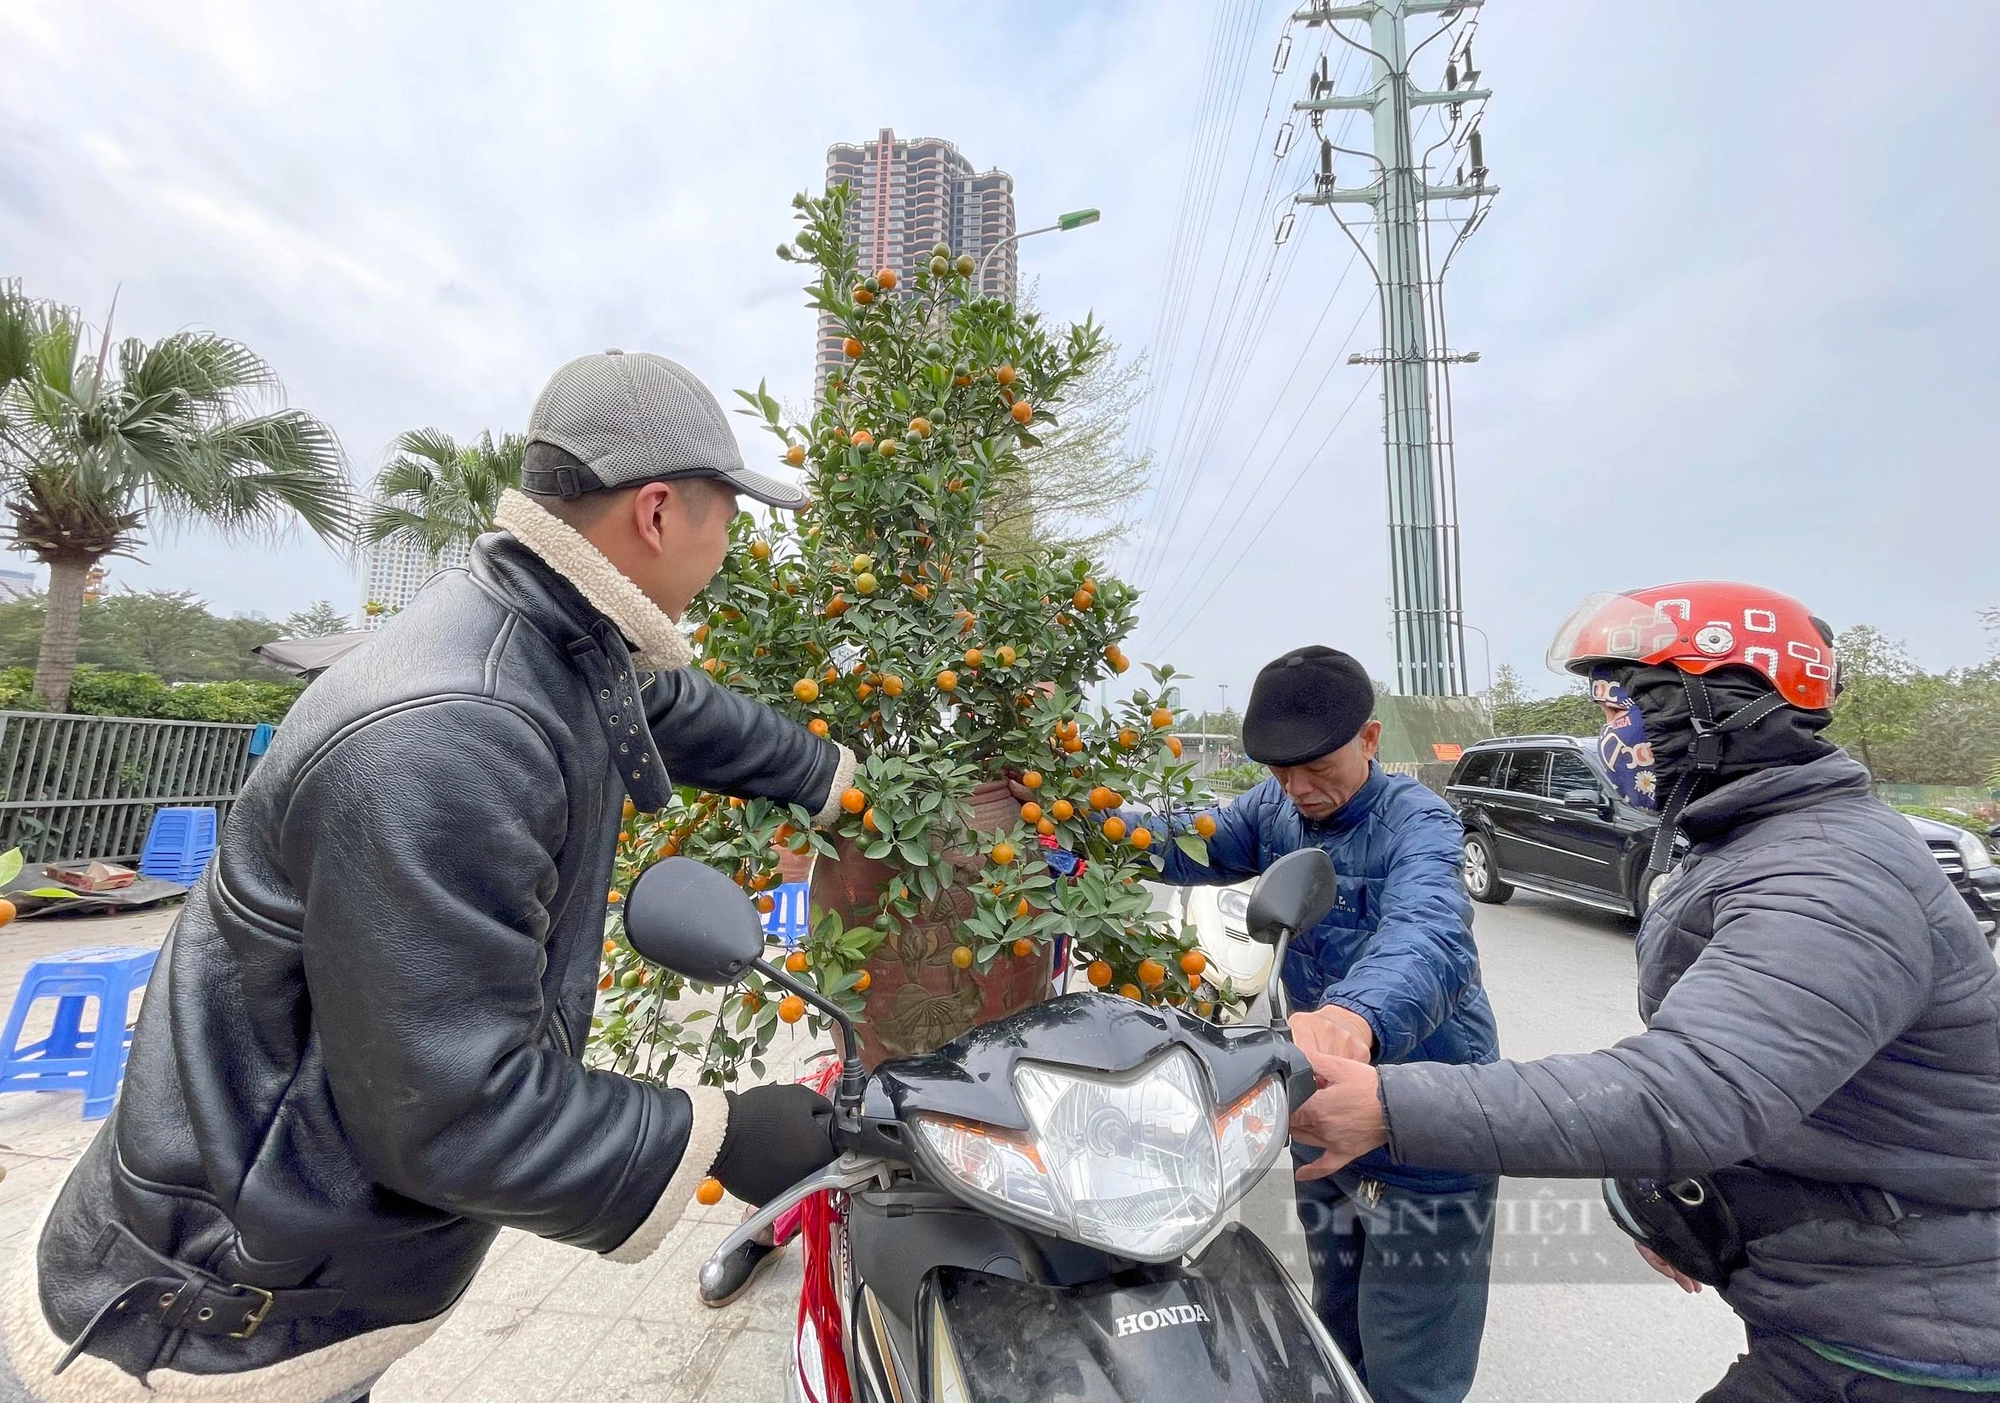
(397, 569)
(910, 196)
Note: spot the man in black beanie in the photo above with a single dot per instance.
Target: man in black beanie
(1399, 1253)
(1811, 1120)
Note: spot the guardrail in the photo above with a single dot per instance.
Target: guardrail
(86, 786)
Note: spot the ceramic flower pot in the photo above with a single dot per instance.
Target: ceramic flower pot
(918, 998)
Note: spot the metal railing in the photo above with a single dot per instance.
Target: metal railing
(86, 786)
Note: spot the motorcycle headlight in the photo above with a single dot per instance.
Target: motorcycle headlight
(1234, 906)
(1139, 1165)
(1250, 1134)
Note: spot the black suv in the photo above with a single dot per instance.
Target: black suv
(1540, 814)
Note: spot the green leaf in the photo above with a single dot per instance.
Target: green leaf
(10, 865)
(1193, 846)
(54, 893)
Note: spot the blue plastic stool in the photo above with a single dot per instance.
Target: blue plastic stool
(69, 1058)
(788, 920)
(179, 845)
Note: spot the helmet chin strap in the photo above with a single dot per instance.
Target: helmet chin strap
(1705, 756)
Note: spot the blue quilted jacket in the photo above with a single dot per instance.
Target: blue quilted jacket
(1396, 948)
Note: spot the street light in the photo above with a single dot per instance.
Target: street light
(1488, 643)
(1075, 219)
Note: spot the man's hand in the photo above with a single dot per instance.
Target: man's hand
(1334, 1031)
(1668, 1270)
(777, 1135)
(1344, 1117)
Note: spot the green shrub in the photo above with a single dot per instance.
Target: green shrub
(1571, 714)
(140, 694)
(1950, 816)
(1236, 779)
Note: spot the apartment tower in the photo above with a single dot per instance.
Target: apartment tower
(908, 197)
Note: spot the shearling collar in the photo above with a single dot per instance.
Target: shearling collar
(656, 641)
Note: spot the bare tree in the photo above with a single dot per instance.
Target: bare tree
(1073, 489)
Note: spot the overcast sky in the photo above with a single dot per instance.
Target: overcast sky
(1735, 306)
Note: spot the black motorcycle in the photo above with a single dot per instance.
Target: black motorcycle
(1035, 1211)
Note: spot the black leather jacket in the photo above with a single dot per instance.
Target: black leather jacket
(359, 1057)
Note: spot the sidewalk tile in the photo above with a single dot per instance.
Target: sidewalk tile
(671, 1293)
(536, 1360)
(650, 1361)
(444, 1361)
(752, 1370)
(531, 1269)
(599, 1286)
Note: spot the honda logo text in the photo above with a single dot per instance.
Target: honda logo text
(1159, 1319)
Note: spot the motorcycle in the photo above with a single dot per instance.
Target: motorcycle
(1036, 1210)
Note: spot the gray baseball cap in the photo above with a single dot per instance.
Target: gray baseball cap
(618, 419)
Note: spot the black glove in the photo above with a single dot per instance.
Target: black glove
(777, 1136)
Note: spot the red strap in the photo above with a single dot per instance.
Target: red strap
(819, 1299)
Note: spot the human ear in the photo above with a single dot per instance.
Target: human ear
(1370, 739)
(650, 505)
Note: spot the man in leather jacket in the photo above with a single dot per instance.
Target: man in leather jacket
(359, 1057)
(1822, 1042)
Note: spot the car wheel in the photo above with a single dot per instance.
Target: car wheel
(1649, 891)
(1482, 874)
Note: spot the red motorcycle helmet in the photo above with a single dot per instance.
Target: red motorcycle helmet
(1700, 626)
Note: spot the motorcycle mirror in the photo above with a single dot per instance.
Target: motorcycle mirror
(1292, 896)
(688, 917)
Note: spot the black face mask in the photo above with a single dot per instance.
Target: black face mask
(1786, 735)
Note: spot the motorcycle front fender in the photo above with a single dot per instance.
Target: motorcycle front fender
(1227, 1328)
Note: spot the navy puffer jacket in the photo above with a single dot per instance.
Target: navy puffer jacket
(1396, 948)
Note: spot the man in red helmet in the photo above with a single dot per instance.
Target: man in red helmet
(1811, 1120)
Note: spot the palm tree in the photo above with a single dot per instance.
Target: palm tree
(94, 443)
(438, 493)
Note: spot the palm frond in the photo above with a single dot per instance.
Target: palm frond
(56, 358)
(27, 324)
(432, 446)
(384, 521)
(436, 492)
(253, 476)
(210, 371)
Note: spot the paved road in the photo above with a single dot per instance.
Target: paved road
(1561, 979)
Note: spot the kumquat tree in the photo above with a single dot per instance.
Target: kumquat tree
(879, 616)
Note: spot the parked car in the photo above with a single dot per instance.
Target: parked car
(1540, 815)
(1969, 863)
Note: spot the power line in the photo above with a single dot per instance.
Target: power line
(1168, 594)
(1233, 348)
(1172, 479)
(1192, 220)
(1186, 278)
(1196, 145)
(1196, 432)
(1202, 440)
(1215, 294)
(1173, 604)
(1290, 487)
